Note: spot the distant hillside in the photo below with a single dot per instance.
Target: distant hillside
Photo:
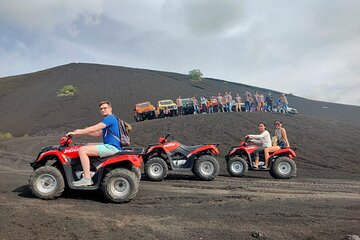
(29, 103)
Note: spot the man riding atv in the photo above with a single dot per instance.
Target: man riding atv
(109, 130)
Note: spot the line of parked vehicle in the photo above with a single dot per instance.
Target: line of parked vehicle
(146, 110)
(118, 176)
(167, 108)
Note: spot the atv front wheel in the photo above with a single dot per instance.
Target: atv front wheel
(283, 168)
(237, 167)
(156, 169)
(120, 185)
(137, 172)
(206, 167)
(47, 182)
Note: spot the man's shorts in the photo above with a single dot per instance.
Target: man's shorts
(106, 150)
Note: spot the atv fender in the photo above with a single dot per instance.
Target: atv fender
(44, 157)
(288, 152)
(234, 151)
(156, 148)
(212, 148)
(135, 160)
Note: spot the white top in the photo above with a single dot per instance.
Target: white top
(264, 139)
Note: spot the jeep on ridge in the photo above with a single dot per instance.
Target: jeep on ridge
(143, 111)
(187, 106)
(169, 104)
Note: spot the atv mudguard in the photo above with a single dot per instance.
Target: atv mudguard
(284, 152)
(45, 156)
(155, 148)
(212, 148)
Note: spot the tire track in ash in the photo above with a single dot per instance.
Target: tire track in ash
(16, 163)
(224, 191)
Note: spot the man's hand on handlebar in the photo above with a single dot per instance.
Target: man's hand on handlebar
(70, 134)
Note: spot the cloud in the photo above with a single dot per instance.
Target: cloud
(203, 17)
(309, 48)
(46, 16)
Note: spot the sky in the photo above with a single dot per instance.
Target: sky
(310, 48)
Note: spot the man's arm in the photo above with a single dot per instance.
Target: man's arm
(96, 134)
(94, 130)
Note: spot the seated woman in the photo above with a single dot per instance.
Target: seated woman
(281, 141)
(263, 139)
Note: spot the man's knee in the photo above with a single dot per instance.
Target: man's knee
(85, 150)
(82, 150)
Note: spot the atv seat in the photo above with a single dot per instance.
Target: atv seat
(190, 148)
(95, 161)
(130, 151)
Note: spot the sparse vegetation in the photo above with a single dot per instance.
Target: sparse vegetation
(195, 75)
(5, 135)
(67, 90)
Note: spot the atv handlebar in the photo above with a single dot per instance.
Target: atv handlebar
(163, 139)
(66, 140)
(167, 135)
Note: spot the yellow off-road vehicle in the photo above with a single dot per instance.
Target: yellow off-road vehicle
(166, 108)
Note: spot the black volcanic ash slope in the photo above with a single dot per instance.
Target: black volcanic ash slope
(29, 103)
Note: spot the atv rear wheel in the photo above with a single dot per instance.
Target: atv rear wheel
(206, 167)
(47, 182)
(156, 169)
(120, 185)
(237, 166)
(283, 168)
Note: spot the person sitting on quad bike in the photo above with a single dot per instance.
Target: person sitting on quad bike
(109, 130)
(263, 139)
(280, 141)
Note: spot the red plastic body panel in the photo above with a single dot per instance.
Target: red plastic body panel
(246, 148)
(73, 152)
(136, 160)
(59, 155)
(153, 148)
(250, 148)
(288, 151)
(212, 148)
(168, 147)
(171, 146)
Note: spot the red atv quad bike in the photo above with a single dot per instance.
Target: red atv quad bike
(165, 155)
(56, 167)
(240, 159)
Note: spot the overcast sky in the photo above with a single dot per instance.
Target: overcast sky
(310, 48)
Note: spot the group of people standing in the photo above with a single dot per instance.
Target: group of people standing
(248, 103)
(260, 103)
